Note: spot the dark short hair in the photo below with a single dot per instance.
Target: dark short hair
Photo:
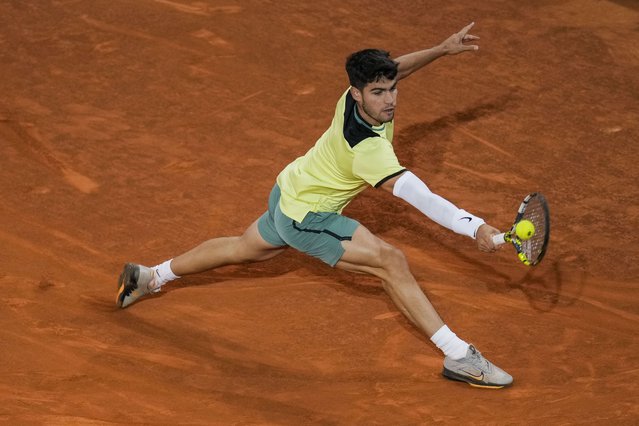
(370, 65)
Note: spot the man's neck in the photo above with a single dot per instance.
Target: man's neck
(359, 117)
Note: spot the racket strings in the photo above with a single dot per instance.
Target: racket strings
(534, 246)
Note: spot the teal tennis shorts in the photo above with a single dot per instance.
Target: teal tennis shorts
(319, 234)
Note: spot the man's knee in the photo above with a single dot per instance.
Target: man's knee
(252, 247)
(392, 259)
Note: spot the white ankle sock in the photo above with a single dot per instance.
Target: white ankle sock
(163, 273)
(449, 343)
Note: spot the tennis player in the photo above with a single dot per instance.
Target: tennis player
(305, 205)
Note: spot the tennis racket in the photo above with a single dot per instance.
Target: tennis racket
(535, 209)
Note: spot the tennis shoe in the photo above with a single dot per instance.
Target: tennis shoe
(135, 281)
(476, 370)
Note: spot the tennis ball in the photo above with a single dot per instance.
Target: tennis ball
(525, 229)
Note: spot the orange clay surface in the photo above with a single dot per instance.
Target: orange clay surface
(133, 130)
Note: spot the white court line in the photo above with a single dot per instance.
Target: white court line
(485, 142)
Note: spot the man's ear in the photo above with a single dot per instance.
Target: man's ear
(356, 94)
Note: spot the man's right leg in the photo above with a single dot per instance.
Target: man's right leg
(368, 253)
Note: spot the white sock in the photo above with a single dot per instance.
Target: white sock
(449, 343)
(163, 273)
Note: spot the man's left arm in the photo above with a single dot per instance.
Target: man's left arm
(453, 45)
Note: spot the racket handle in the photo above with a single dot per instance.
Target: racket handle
(499, 239)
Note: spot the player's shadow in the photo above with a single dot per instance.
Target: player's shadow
(630, 4)
(545, 285)
(413, 141)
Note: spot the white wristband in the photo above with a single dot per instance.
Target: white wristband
(413, 190)
(466, 224)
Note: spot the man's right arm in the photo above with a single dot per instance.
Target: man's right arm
(414, 191)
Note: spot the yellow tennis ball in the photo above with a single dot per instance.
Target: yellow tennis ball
(525, 229)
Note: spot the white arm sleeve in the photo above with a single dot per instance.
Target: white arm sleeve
(411, 189)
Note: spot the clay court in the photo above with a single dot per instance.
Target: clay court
(133, 130)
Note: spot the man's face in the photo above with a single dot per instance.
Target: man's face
(376, 102)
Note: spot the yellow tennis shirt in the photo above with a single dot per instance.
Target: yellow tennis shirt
(347, 158)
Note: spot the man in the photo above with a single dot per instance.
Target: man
(305, 205)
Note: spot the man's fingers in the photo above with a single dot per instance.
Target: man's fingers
(466, 29)
(487, 249)
(456, 41)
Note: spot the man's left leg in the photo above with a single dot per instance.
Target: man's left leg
(138, 280)
(259, 242)
(247, 248)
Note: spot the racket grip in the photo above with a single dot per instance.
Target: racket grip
(499, 239)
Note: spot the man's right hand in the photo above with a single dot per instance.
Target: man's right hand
(484, 238)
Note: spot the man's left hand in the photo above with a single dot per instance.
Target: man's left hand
(455, 43)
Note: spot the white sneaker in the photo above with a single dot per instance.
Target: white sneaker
(135, 281)
(476, 370)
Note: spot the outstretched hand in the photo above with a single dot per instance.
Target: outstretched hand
(484, 238)
(455, 43)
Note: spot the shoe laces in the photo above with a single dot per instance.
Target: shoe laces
(477, 359)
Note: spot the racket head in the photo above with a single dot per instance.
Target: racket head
(535, 209)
